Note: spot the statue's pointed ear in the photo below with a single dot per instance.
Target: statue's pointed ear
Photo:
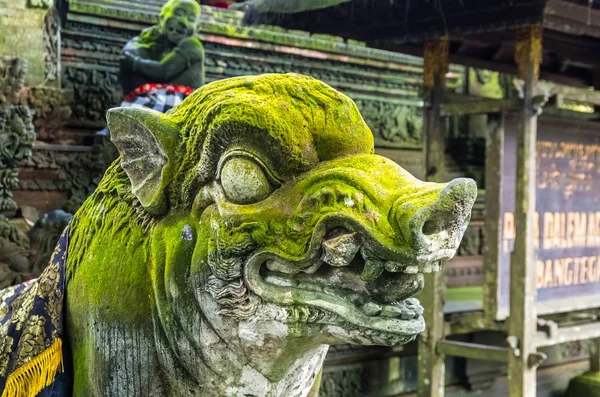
(146, 141)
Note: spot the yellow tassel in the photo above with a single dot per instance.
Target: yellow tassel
(31, 378)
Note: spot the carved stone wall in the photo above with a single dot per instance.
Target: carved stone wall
(51, 43)
(16, 142)
(12, 78)
(385, 85)
(52, 109)
(74, 170)
(21, 35)
(14, 252)
(347, 382)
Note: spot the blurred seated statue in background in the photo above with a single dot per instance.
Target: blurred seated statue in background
(165, 63)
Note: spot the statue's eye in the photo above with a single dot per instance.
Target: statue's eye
(244, 181)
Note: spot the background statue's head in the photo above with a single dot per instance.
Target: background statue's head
(179, 19)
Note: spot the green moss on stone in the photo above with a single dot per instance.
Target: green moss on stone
(585, 385)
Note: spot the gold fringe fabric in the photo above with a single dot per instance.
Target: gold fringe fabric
(38, 373)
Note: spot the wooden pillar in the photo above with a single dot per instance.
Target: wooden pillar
(523, 292)
(431, 364)
(595, 355)
(494, 157)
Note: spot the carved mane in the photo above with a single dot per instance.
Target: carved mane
(111, 208)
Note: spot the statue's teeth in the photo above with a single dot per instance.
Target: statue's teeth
(371, 309)
(407, 314)
(394, 267)
(402, 310)
(372, 270)
(429, 267)
(426, 267)
(414, 305)
(340, 250)
(412, 302)
(276, 266)
(391, 311)
(406, 310)
(410, 270)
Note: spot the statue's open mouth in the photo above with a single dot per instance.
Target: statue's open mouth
(349, 273)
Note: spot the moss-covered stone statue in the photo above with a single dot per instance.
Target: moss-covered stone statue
(237, 237)
(165, 63)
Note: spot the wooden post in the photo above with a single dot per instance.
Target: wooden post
(431, 362)
(595, 355)
(523, 292)
(494, 156)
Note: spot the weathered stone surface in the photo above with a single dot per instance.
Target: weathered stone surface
(21, 31)
(52, 109)
(12, 78)
(73, 171)
(16, 142)
(218, 284)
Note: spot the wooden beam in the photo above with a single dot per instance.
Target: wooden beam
(569, 334)
(472, 350)
(479, 63)
(584, 95)
(571, 18)
(469, 322)
(523, 292)
(494, 156)
(431, 369)
(481, 106)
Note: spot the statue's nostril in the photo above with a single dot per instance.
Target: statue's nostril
(438, 222)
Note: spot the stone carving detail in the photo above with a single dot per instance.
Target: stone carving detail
(14, 252)
(94, 92)
(16, 142)
(77, 173)
(50, 39)
(350, 382)
(392, 124)
(51, 108)
(12, 78)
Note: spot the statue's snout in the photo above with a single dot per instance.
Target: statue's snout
(435, 219)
